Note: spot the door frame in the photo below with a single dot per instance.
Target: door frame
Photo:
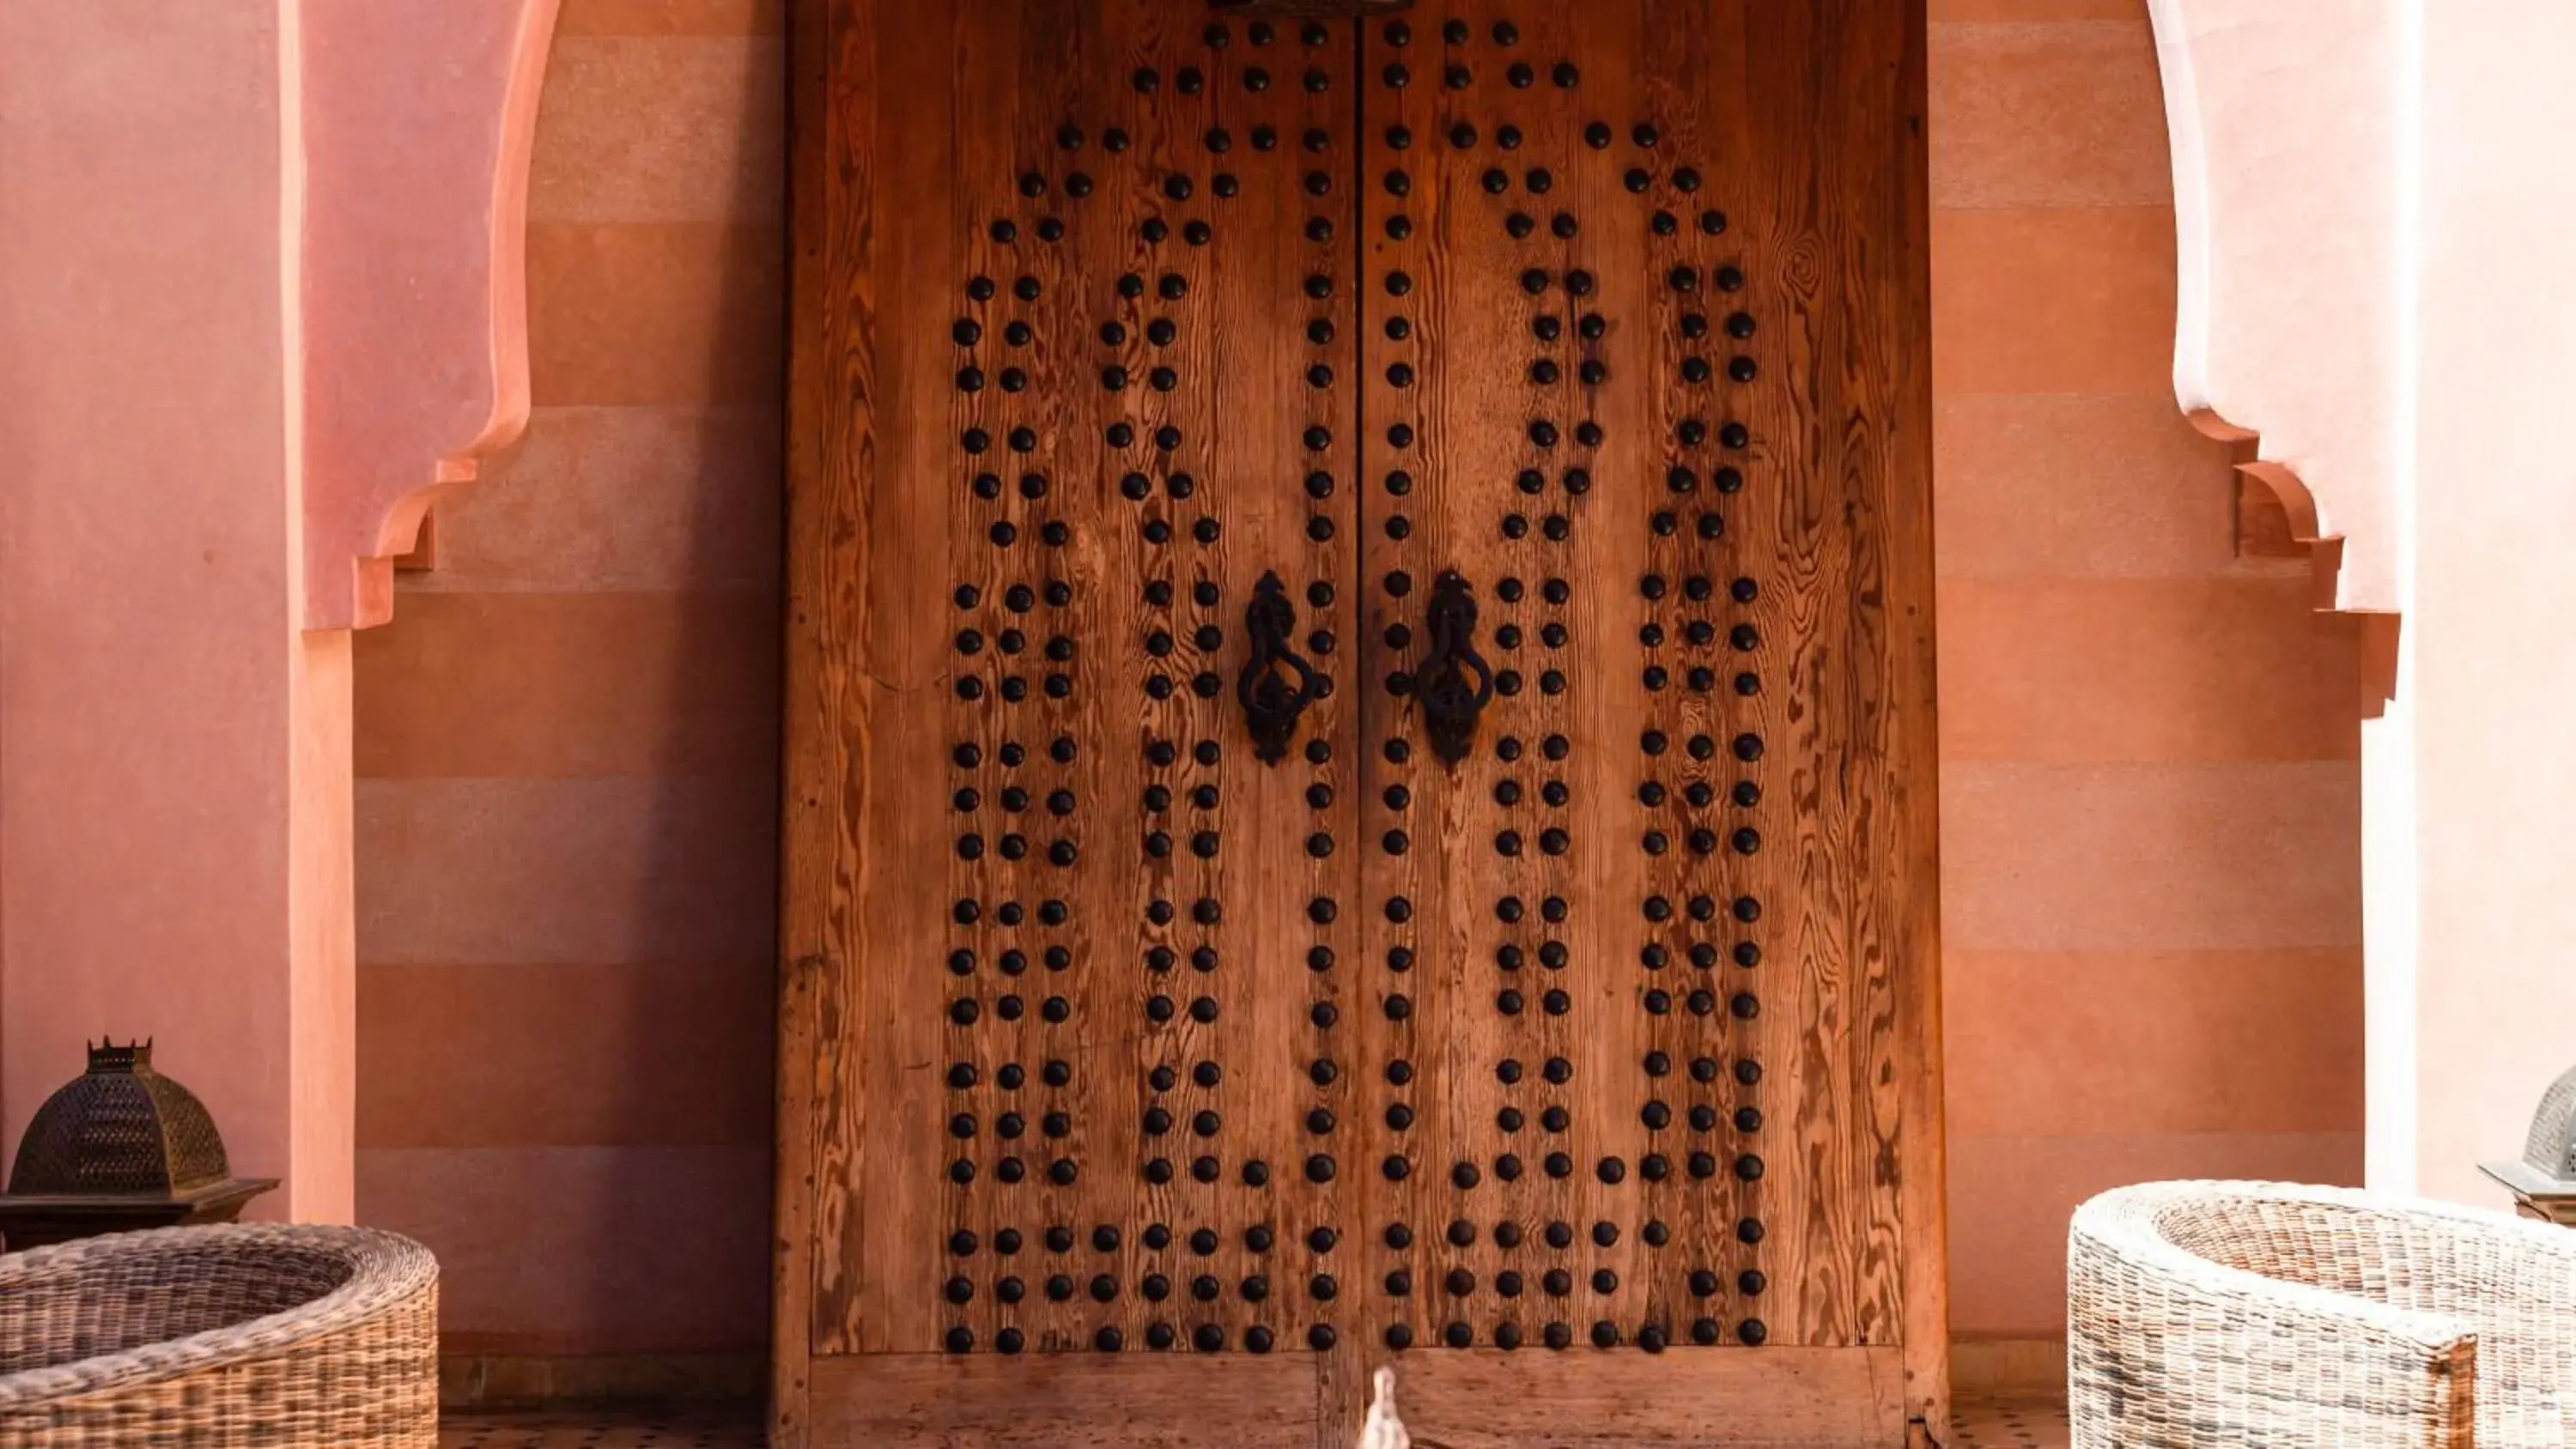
(814, 826)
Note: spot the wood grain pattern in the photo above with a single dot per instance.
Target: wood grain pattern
(1554, 230)
(1085, 1402)
(821, 455)
(1039, 503)
(1347, 988)
(1765, 1399)
(1534, 875)
(1475, 1400)
(1911, 879)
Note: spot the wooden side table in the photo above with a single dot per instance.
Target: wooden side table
(30, 1220)
(2535, 1193)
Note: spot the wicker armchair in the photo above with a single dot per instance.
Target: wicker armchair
(221, 1338)
(2241, 1313)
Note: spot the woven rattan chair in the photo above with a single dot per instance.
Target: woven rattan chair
(221, 1338)
(2210, 1314)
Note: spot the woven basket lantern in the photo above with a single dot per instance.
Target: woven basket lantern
(2544, 1181)
(120, 1147)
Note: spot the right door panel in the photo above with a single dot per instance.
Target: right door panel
(1638, 362)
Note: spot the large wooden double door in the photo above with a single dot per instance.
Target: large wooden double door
(1361, 732)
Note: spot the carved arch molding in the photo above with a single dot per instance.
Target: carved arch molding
(416, 122)
(2288, 122)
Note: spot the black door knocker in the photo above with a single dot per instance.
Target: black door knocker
(1278, 683)
(1454, 683)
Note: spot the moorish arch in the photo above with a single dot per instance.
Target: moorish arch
(2368, 222)
(2288, 123)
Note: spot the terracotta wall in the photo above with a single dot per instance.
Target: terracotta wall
(565, 742)
(565, 738)
(2151, 789)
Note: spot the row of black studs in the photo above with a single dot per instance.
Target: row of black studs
(1678, 533)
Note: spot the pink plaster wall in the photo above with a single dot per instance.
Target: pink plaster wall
(147, 523)
(565, 741)
(2150, 778)
(2494, 993)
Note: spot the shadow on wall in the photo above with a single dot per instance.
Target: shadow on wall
(567, 743)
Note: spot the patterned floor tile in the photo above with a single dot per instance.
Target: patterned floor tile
(2008, 1424)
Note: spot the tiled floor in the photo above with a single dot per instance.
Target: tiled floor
(2009, 1425)
(1978, 1426)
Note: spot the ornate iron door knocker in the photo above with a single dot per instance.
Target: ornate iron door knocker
(1454, 683)
(1278, 683)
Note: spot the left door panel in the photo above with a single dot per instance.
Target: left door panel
(1084, 385)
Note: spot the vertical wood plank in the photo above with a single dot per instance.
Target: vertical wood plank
(807, 742)
(1566, 914)
(831, 161)
(1910, 878)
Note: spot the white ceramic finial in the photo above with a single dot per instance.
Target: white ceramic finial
(1383, 1429)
